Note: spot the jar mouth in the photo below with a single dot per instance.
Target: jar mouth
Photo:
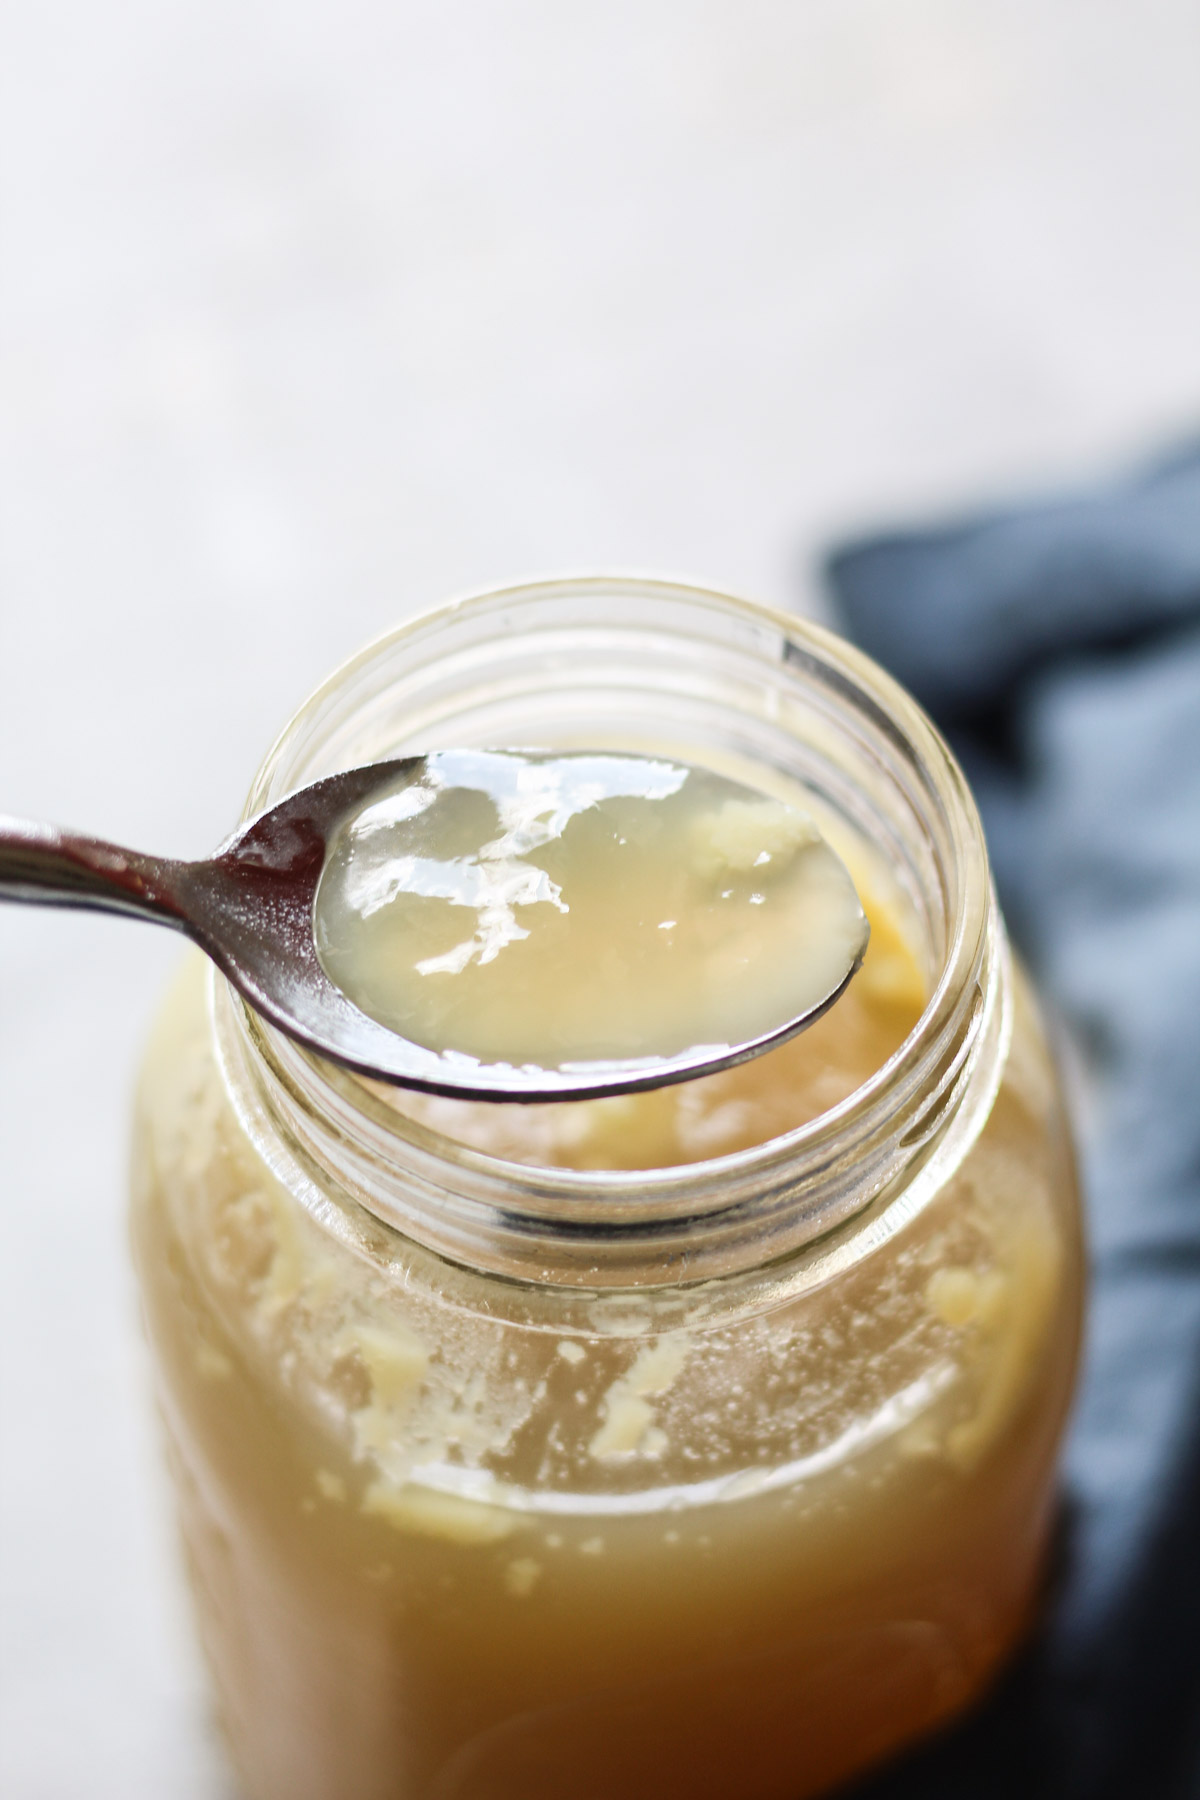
(605, 653)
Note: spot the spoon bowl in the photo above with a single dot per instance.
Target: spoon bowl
(250, 908)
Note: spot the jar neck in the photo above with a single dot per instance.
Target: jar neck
(589, 659)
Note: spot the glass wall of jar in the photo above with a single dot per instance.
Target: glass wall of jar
(687, 1444)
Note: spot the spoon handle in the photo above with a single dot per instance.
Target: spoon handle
(43, 866)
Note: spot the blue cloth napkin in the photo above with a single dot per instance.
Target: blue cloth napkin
(1058, 645)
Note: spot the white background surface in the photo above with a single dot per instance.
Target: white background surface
(313, 314)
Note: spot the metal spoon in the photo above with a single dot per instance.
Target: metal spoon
(250, 908)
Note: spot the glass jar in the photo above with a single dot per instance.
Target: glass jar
(507, 1482)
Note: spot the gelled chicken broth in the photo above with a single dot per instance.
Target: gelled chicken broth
(550, 909)
(440, 1550)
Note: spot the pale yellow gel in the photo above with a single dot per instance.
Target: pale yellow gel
(582, 907)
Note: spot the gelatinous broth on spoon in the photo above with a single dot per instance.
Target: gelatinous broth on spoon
(557, 908)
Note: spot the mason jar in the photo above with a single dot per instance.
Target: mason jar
(517, 1460)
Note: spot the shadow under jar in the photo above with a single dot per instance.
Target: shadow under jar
(683, 1445)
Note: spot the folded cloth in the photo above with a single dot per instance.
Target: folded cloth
(1058, 645)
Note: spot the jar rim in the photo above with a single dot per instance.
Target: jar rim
(936, 1050)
